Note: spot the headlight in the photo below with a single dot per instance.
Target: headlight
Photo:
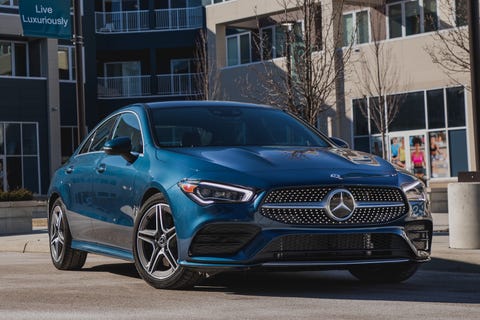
(205, 193)
(415, 191)
(417, 198)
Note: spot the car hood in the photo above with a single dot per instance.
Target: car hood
(288, 165)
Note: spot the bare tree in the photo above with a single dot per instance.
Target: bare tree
(305, 81)
(207, 76)
(379, 80)
(452, 50)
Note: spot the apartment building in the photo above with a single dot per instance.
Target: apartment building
(434, 108)
(143, 50)
(134, 51)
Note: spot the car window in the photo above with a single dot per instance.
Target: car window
(231, 126)
(128, 126)
(98, 138)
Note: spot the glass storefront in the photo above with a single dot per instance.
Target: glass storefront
(428, 137)
(19, 156)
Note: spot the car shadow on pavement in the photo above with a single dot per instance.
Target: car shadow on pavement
(122, 269)
(447, 265)
(442, 281)
(425, 286)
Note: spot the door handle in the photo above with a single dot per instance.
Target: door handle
(69, 170)
(101, 168)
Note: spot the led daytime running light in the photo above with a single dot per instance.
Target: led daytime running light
(206, 193)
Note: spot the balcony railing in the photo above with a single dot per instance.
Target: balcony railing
(122, 21)
(168, 85)
(184, 84)
(139, 20)
(124, 87)
(182, 18)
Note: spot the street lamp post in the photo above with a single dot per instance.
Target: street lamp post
(78, 41)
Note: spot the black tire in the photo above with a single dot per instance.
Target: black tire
(60, 239)
(155, 247)
(385, 273)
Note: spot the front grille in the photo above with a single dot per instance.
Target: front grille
(222, 239)
(372, 194)
(295, 195)
(322, 247)
(307, 206)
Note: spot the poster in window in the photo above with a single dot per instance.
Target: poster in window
(438, 154)
(397, 151)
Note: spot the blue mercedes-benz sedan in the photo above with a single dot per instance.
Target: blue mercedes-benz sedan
(186, 189)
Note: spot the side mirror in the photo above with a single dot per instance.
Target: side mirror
(121, 146)
(340, 142)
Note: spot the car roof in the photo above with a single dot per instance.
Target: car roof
(203, 103)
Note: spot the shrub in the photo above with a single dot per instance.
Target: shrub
(16, 195)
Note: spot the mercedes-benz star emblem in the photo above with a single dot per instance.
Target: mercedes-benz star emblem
(340, 204)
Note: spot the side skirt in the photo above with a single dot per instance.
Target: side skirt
(103, 250)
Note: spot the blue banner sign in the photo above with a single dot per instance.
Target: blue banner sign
(46, 18)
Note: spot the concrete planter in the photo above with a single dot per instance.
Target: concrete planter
(16, 216)
(464, 215)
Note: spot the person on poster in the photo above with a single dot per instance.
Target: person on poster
(401, 154)
(418, 159)
(435, 152)
(394, 147)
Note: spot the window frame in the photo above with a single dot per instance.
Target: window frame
(239, 48)
(421, 13)
(70, 62)
(275, 38)
(10, 5)
(354, 14)
(4, 155)
(13, 58)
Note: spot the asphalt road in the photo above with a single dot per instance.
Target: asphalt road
(31, 288)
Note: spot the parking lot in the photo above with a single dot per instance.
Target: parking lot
(31, 288)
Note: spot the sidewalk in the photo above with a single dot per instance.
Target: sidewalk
(443, 257)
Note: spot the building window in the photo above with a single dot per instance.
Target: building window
(409, 17)
(9, 3)
(239, 49)
(183, 66)
(356, 28)
(274, 39)
(19, 156)
(433, 119)
(13, 59)
(66, 63)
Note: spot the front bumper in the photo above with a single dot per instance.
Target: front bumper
(308, 248)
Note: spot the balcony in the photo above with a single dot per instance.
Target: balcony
(168, 85)
(178, 84)
(139, 20)
(177, 19)
(121, 21)
(123, 87)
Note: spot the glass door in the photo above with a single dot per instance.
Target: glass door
(408, 151)
(423, 153)
(439, 164)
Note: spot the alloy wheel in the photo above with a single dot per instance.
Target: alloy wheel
(57, 233)
(157, 242)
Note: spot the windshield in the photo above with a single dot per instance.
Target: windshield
(230, 126)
